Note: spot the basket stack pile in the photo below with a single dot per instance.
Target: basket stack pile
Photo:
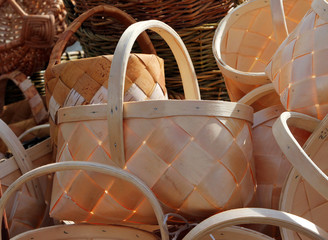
(135, 153)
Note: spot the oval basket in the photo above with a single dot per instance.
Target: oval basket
(180, 149)
(245, 41)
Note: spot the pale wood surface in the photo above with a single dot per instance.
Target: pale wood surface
(256, 215)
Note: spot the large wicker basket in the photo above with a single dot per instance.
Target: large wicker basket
(195, 155)
(28, 32)
(99, 36)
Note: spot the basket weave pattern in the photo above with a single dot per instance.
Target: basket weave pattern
(177, 183)
(24, 42)
(249, 42)
(298, 69)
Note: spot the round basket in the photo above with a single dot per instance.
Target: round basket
(97, 39)
(247, 38)
(28, 32)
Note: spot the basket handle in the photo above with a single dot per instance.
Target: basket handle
(38, 109)
(118, 71)
(257, 93)
(299, 157)
(121, 16)
(20, 155)
(279, 20)
(88, 166)
(258, 216)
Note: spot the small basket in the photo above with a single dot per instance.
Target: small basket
(29, 30)
(247, 38)
(34, 196)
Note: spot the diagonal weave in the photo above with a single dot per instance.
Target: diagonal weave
(298, 68)
(161, 152)
(248, 42)
(85, 81)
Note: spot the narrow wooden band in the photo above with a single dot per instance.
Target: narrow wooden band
(257, 216)
(118, 72)
(88, 166)
(279, 20)
(296, 155)
(257, 93)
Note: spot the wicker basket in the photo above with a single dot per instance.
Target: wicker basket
(181, 149)
(32, 197)
(271, 166)
(298, 69)
(98, 40)
(29, 30)
(88, 231)
(245, 41)
(305, 192)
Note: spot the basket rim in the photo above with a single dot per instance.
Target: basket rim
(159, 109)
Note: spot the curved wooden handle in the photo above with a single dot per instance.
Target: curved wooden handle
(118, 71)
(38, 109)
(88, 166)
(279, 20)
(21, 157)
(258, 216)
(298, 156)
(321, 8)
(144, 40)
(257, 93)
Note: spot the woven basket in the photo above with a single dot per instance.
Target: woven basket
(116, 232)
(182, 150)
(245, 41)
(23, 114)
(33, 196)
(305, 191)
(271, 166)
(98, 39)
(28, 33)
(85, 81)
(209, 228)
(298, 68)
